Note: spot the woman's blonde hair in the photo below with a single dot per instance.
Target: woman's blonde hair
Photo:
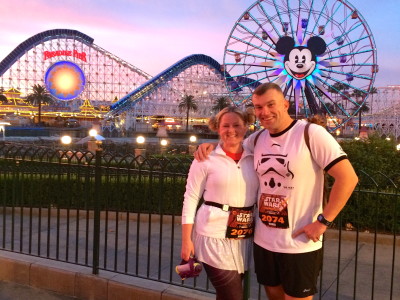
(247, 116)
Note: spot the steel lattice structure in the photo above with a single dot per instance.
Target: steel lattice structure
(384, 114)
(198, 75)
(107, 76)
(141, 95)
(199, 81)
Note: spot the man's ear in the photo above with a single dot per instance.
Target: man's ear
(286, 104)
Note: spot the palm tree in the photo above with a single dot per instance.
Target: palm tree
(364, 108)
(338, 88)
(220, 104)
(187, 104)
(331, 108)
(38, 97)
(3, 97)
(373, 91)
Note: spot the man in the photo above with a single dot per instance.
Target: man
(291, 219)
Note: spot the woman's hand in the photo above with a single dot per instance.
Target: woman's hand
(187, 249)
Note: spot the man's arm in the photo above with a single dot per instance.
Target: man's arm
(345, 182)
(204, 150)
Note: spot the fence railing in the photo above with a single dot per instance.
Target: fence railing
(122, 214)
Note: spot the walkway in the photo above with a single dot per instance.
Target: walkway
(356, 271)
(14, 291)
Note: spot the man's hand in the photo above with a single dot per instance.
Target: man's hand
(203, 151)
(312, 231)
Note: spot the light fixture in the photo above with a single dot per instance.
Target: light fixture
(140, 139)
(92, 132)
(66, 140)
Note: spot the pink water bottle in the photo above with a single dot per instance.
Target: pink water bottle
(188, 269)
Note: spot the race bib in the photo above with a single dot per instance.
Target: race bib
(273, 211)
(240, 224)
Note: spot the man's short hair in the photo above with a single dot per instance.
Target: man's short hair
(265, 87)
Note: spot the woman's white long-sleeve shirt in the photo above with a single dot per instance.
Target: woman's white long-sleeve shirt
(218, 179)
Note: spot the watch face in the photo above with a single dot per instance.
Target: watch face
(322, 220)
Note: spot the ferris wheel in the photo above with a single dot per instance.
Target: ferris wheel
(321, 52)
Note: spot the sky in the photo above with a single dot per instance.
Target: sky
(153, 35)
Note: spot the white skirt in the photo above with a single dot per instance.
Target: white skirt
(226, 254)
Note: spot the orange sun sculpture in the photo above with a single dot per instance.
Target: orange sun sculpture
(65, 80)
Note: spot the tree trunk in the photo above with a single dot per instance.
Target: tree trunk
(187, 120)
(359, 122)
(40, 111)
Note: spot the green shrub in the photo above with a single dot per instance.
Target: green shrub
(157, 184)
(147, 192)
(373, 155)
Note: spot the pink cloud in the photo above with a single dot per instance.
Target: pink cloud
(153, 35)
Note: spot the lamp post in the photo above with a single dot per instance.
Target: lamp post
(140, 150)
(92, 143)
(192, 145)
(163, 143)
(65, 141)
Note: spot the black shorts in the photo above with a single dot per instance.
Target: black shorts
(297, 273)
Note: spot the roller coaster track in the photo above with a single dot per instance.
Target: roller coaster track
(161, 79)
(45, 36)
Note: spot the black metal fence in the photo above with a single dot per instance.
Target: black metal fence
(122, 214)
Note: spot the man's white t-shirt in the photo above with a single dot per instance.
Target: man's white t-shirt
(291, 184)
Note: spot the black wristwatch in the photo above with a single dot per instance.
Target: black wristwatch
(324, 221)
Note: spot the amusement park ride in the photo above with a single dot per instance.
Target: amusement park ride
(322, 54)
(319, 52)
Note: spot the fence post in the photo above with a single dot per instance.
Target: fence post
(96, 220)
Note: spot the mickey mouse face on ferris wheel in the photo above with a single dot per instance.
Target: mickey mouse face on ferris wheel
(300, 61)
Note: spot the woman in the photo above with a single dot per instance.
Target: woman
(221, 238)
